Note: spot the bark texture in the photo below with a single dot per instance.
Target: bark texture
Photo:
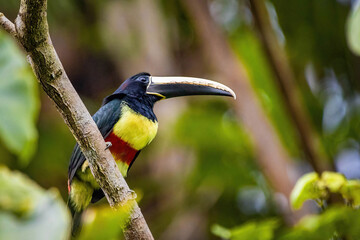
(32, 32)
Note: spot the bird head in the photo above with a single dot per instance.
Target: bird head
(168, 87)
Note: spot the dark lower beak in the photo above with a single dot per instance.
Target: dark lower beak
(168, 87)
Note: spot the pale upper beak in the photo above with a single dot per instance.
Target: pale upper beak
(168, 87)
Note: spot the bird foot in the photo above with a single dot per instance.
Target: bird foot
(108, 145)
(132, 194)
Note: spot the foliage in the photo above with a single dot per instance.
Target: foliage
(350, 191)
(223, 167)
(28, 210)
(333, 181)
(19, 101)
(251, 230)
(307, 187)
(310, 186)
(334, 223)
(220, 154)
(353, 29)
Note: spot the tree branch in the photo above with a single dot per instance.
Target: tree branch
(286, 82)
(31, 30)
(7, 25)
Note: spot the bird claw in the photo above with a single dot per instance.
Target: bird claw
(132, 194)
(108, 145)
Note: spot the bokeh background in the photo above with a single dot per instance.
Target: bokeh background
(292, 64)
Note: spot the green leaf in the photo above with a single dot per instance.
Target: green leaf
(333, 181)
(26, 210)
(19, 195)
(220, 231)
(19, 101)
(335, 223)
(353, 29)
(253, 230)
(307, 187)
(351, 192)
(256, 231)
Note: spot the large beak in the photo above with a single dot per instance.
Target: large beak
(168, 87)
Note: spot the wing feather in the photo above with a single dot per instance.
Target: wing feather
(105, 118)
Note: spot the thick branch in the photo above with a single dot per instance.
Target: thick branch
(33, 34)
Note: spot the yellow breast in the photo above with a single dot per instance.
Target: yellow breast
(135, 129)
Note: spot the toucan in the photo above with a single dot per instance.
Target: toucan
(128, 124)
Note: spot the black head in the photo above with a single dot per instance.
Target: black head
(134, 86)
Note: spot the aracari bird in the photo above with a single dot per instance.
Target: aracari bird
(128, 124)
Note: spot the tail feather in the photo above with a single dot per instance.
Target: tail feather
(76, 224)
(76, 219)
(80, 194)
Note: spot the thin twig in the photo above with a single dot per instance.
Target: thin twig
(7, 25)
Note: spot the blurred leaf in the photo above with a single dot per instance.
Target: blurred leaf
(220, 231)
(353, 29)
(19, 101)
(306, 188)
(223, 152)
(351, 192)
(333, 181)
(19, 195)
(27, 211)
(224, 161)
(334, 223)
(105, 222)
(255, 231)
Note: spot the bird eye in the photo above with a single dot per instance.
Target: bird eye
(143, 79)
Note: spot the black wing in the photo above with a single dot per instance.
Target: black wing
(105, 118)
